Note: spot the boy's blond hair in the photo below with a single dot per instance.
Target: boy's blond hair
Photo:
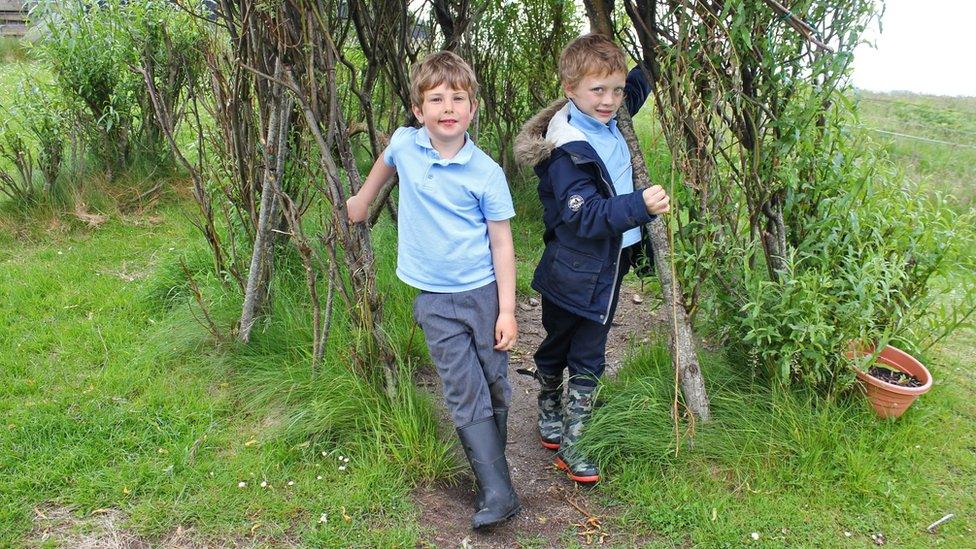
(439, 68)
(590, 54)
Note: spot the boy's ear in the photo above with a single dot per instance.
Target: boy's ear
(419, 114)
(474, 106)
(568, 90)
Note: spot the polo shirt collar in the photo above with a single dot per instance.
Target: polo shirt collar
(461, 157)
(586, 122)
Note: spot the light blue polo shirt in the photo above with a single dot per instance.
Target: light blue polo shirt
(445, 206)
(609, 143)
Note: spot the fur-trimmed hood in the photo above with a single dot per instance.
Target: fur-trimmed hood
(541, 134)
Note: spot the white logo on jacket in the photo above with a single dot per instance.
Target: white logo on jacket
(575, 202)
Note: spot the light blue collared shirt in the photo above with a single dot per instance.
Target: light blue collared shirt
(445, 206)
(609, 143)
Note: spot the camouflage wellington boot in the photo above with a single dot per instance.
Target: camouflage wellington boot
(550, 410)
(579, 407)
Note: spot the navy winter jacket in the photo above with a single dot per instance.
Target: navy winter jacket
(584, 218)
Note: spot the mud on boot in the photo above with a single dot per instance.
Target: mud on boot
(483, 447)
(576, 413)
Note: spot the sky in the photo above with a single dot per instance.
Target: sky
(925, 46)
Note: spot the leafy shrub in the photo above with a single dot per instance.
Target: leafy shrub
(868, 250)
(87, 51)
(514, 49)
(94, 49)
(44, 115)
(18, 183)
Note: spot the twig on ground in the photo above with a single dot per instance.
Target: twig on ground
(935, 525)
(207, 321)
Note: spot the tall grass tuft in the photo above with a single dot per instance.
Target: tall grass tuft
(339, 405)
(768, 453)
(12, 50)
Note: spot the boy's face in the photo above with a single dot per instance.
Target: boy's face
(599, 96)
(446, 113)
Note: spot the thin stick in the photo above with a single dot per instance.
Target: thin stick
(932, 527)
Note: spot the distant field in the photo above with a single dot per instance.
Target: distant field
(931, 138)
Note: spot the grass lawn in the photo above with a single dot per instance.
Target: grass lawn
(110, 400)
(113, 397)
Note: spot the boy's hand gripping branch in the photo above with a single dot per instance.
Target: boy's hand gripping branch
(656, 200)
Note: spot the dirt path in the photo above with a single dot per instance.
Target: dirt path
(554, 509)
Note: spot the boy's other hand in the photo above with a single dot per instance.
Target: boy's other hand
(656, 200)
(506, 332)
(357, 209)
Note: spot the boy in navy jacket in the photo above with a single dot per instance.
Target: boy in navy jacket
(592, 217)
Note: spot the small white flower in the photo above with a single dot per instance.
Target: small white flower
(755, 536)
(345, 459)
(264, 484)
(324, 518)
(342, 467)
(241, 484)
(291, 483)
(847, 534)
(341, 458)
(318, 477)
(324, 454)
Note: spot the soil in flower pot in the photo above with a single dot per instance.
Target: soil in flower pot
(894, 381)
(894, 377)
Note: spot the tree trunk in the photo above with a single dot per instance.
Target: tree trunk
(774, 235)
(599, 12)
(259, 274)
(681, 344)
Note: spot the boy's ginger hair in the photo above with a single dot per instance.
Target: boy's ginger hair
(590, 54)
(439, 68)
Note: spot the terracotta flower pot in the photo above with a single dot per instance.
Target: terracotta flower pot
(888, 399)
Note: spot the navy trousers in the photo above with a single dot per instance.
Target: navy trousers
(576, 343)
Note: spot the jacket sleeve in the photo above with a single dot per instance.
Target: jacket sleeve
(637, 89)
(585, 210)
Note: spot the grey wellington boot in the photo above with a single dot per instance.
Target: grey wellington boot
(550, 410)
(579, 408)
(483, 446)
(501, 422)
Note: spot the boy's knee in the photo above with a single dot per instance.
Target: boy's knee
(500, 392)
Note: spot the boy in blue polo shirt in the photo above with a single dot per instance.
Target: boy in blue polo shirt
(455, 246)
(592, 217)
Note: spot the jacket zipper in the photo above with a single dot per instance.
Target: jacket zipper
(620, 249)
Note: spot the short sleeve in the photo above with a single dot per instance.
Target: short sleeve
(496, 200)
(400, 137)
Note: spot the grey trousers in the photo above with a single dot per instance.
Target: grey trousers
(460, 333)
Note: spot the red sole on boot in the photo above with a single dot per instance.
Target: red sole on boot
(569, 472)
(549, 445)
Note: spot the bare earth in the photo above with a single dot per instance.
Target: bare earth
(555, 511)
